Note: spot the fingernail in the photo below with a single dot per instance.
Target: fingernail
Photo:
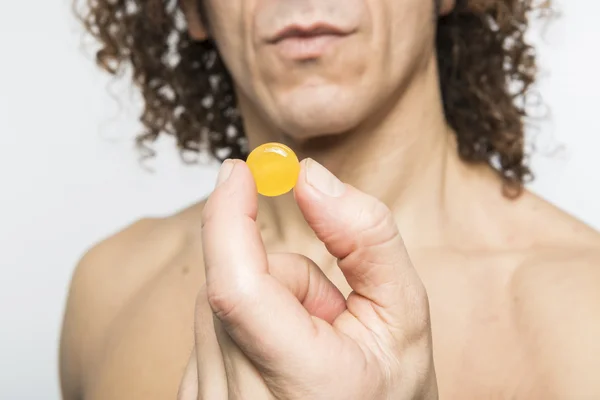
(321, 179)
(225, 171)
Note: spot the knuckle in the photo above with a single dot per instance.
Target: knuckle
(224, 304)
(377, 225)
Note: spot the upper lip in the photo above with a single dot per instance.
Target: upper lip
(317, 29)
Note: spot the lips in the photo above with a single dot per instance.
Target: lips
(308, 32)
(309, 42)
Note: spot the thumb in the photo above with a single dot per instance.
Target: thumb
(361, 233)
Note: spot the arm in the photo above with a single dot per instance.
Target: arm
(93, 300)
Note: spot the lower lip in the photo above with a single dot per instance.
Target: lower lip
(306, 48)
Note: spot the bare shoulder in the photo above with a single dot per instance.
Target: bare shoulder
(556, 293)
(562, 266)
(108, 276)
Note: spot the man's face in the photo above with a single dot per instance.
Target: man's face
(315, 67)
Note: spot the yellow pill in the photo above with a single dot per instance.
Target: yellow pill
(275, 168)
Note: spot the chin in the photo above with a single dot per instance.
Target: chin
(320, 111)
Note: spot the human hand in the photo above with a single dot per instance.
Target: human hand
(274, 327)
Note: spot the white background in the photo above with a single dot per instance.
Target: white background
(69, 175)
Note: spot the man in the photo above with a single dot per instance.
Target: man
(489, 292)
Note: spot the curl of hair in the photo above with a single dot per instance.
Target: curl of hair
(486, 68)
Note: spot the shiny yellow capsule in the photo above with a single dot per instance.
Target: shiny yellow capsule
(275, 168)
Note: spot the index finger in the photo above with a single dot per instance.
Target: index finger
(256, 310)
(231, 240)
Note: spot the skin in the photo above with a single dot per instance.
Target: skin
(504, 294)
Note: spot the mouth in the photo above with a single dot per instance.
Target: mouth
(301, 43)
(307, 32)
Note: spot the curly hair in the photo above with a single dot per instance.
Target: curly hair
(486, 69)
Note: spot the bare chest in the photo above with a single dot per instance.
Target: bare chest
(150, 340)
(478, 352)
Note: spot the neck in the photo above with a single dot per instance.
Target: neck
(405, 156)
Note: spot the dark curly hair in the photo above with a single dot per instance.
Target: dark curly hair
(485, 68)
